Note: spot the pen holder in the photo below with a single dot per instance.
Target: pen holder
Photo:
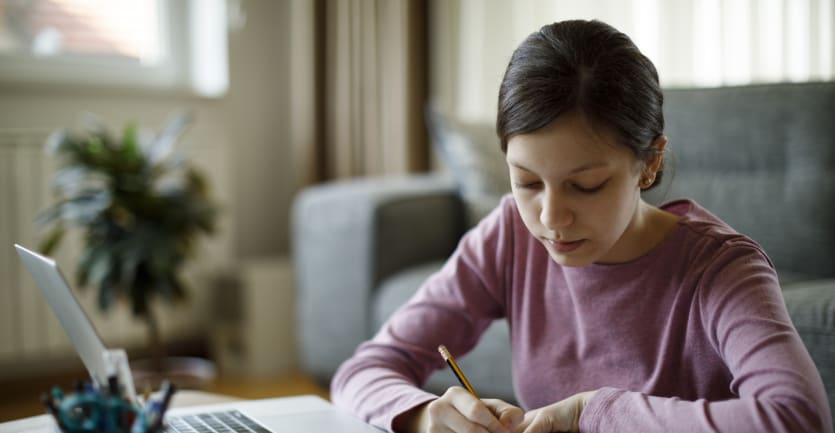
(94, 410)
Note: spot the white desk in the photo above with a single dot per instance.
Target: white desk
(306, 413)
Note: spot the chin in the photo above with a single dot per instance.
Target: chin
(571, 261)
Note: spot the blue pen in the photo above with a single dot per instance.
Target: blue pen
(140, 424)
(161, 407)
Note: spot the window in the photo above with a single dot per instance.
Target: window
(165, 44)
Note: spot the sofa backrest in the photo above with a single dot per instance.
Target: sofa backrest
(762, 158)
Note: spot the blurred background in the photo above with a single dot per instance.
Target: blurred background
(285, 94)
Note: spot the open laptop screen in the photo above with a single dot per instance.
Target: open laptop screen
(75, 322)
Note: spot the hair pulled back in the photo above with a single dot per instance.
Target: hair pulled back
(588, 67)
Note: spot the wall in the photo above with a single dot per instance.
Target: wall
(257, 115)
(249, 122)
(244, 131)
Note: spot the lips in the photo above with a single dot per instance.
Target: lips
(565, 246)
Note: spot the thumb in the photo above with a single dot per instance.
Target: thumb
(509, 415)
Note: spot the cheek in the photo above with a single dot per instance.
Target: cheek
(623, 209)
(528, 210)
(612, 210)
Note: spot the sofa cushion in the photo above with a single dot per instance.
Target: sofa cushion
(761, 158)
(812, 309)
(472, 155)
(394, 291)
(488, 365)
(350, 235)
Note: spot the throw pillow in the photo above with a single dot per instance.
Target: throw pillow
(471, 152)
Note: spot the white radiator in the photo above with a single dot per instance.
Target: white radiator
(30, 337)
(26, 330)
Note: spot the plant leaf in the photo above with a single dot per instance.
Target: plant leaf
(130, 157)
(52, 240)
(163, 145)
(141, 207)
(107, 295)
(56, 141)
(73, 180)
(85, 209)
(101, 266)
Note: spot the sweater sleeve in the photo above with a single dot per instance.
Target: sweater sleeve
(777, 385)
(453, 307)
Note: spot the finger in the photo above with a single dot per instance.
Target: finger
(526, 422)
(520, 428)
(509, 415)
(538, 422)
(443, 417)
(475, 410)
(460, 423)
(559, 416)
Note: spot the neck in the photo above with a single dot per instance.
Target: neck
(648, 228)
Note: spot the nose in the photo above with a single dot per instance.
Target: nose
(555, 212)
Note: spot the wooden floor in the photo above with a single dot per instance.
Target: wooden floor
(22, 398)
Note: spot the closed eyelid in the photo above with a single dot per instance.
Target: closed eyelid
(594, 188)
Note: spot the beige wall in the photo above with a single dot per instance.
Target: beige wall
(248, 126)
(257, 112)
(240, 140)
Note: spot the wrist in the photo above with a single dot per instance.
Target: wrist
(412, 421)
(587, 396)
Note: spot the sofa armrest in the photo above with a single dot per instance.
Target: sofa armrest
(349, 235)
(811, 305)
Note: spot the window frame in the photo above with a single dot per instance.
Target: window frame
(172, 72)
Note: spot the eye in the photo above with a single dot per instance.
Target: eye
(527, 185)
(590, 190)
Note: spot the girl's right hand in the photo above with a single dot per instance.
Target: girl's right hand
(459, 411)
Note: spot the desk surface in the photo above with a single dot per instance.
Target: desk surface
(44, 423)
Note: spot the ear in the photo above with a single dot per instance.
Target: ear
(653, 164)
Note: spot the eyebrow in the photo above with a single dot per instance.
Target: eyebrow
(583, 167)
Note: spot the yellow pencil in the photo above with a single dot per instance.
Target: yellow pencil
(455, 369)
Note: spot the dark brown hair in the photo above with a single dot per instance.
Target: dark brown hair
(584, 66)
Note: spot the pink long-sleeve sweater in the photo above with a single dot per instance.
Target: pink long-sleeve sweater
(692, 337)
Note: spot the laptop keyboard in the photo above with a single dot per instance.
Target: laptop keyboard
(216, 422)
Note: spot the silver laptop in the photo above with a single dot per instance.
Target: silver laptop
(294, 414)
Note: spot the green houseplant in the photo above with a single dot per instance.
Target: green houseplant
(141, 208)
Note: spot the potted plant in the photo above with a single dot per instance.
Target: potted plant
(141, 208)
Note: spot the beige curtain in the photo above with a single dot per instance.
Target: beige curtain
(358, 85)
(692, 43)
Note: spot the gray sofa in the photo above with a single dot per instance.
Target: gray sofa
(760, 157)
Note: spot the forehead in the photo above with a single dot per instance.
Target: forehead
(570, 139)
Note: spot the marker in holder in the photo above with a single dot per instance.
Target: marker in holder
(98, 410)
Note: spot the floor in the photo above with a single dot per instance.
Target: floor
(22, 399)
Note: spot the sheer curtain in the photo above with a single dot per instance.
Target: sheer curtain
(358, 86)
(691, 42)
